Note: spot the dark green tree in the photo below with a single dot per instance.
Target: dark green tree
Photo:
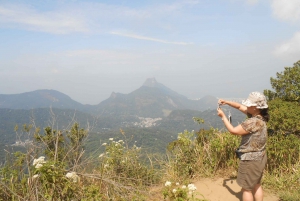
(284, 108)
(285, 117)
(286, 85)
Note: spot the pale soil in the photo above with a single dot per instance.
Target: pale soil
(219, 189)
(224, 190)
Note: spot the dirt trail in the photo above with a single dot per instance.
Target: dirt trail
(224, 190)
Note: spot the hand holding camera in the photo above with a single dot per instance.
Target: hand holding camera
(220, 111)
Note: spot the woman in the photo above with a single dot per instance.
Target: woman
(252, 150)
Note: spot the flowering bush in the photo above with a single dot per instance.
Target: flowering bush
(176, 192)
(125, 162)
(38, 162)
(50, 178)
(73, 176)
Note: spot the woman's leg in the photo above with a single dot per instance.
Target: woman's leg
(247, 195)
(258, 193)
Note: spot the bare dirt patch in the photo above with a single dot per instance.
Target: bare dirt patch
(224, 190)
(218, 189)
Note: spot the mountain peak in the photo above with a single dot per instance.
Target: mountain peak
(151, 82)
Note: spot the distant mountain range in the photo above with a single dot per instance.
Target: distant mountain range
(152, 99)
(39, 99)
(152, 115)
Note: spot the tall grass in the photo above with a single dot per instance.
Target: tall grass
(55, 167)
(203, 153)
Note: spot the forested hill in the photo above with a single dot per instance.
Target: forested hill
(42, 98)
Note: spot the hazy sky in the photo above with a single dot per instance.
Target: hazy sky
(88, 49)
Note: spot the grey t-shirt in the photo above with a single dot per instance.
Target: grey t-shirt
(253, 145)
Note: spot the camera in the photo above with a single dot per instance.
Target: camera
(229, 115)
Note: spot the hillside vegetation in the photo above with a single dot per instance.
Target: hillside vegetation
(55, 166)
(162, 130)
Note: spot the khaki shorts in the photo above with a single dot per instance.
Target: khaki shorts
(250, 173)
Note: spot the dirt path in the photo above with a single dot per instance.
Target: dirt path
(224, 190)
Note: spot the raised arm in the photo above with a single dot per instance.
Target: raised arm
(235, 105)
(238, 130)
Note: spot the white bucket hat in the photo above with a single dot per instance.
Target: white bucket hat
(256, 99)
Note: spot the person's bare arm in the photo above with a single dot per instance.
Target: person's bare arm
(238, 130)
(235, 105)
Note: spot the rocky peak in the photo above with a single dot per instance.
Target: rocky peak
(113, 95)
(151, 82)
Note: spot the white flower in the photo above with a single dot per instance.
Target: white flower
(72, 175)
(111, 139)
(101, 155)
(69, 174)
(168, 183)
(104, 144)
(174, 190)
(192, 187)
(41, 159)
(35, 176)
(121, 141)
(177, 184)
(39, 165)
(106, 166)
(183, 187)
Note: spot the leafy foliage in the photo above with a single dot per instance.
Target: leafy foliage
(208, 151)
(283, 152)
(76, 135)
(118, 174)
(53, 141)
(286, 84)
(284, 108)
(285, 117)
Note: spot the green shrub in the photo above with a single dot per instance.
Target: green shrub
(203, 153)
(283, 152)
(65, 174)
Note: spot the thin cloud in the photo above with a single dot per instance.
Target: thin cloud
(290, 48)
(252, 2)
(86, 17)
(99, 54)
(286, 10)
(148, 38)
(30, 19)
